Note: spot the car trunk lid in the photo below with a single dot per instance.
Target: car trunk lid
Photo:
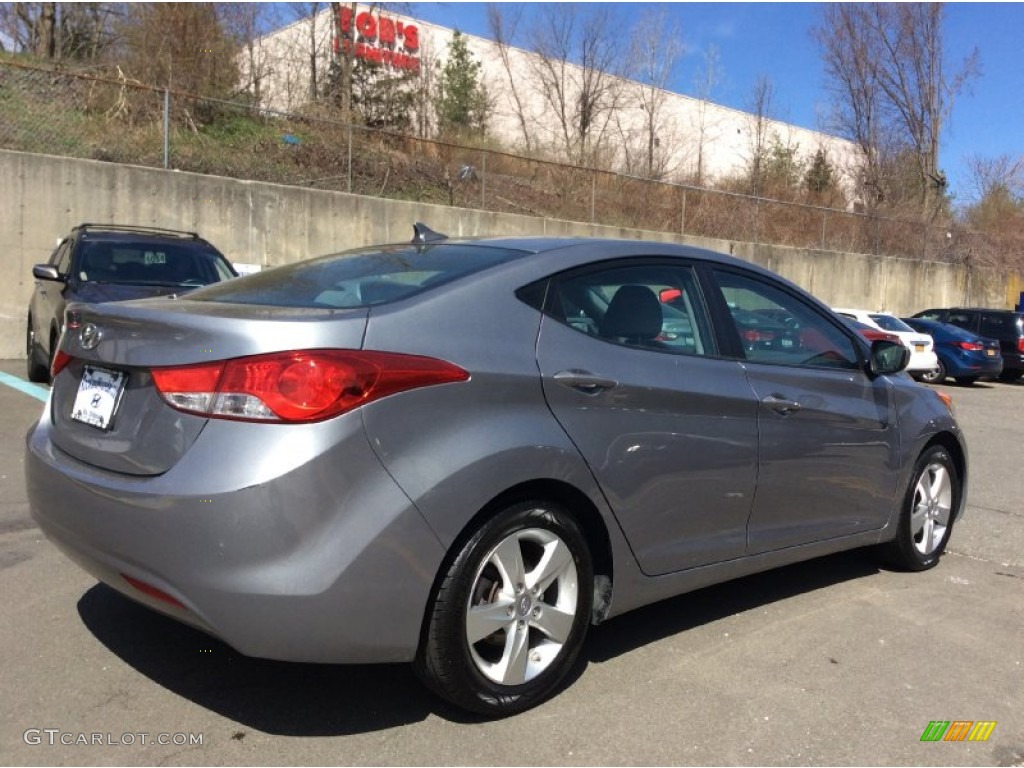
(105, 408)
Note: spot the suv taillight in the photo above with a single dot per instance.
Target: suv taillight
(1020, 345)
(300, 386)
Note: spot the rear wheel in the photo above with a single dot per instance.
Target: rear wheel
(935, 377)
(1011, 375)
(36, 371)
(509, 618)
(926, 519)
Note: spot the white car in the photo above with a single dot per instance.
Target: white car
(921, 345)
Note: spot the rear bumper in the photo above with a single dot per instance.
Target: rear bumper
(921, 362)
(326, 560)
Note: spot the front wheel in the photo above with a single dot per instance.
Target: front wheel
(509, 617)
(926, 519)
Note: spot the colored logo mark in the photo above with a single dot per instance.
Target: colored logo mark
(958, 730)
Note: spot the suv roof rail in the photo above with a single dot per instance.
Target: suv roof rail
(141, 229)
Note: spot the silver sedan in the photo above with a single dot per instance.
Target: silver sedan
(464, 453)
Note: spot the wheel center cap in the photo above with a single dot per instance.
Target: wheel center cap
(525, 605)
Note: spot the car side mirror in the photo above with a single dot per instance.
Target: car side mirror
(46, 272)
(887, 357)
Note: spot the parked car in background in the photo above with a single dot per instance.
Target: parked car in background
(920, 345)
(870, 332)
(1004, 325)
(963, 355)
(463, 453)
(113, 262)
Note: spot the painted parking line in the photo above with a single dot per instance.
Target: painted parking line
(37, 391)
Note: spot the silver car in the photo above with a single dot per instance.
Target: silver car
(463, 453)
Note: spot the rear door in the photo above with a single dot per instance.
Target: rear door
(632, 371)
(828, 440)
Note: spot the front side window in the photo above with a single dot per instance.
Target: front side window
(775, 326)
(654, 306)
(62, 258)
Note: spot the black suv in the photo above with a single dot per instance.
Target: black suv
(111, 262)
(1003, 324)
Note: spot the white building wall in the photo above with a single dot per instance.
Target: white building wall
(727, 133)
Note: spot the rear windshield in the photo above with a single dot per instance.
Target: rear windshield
(890, 323)
(359, 278)
(141, 262)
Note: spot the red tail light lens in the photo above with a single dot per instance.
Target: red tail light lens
(752, 336)
(60, 361)
(303, 386)
(969, 346)
(1020, 345)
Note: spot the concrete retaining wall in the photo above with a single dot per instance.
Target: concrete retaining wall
(42, 197)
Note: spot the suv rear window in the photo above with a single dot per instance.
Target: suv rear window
(149, 262)
(359, 278)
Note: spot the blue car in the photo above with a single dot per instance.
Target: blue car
(963, 355)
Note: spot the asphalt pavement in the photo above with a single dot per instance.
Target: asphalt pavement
(836, 661)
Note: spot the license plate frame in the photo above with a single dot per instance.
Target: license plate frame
(98, 397)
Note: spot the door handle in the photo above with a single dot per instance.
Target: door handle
(584, 381)
(781, 405)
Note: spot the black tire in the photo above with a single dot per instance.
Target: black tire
(966, 381)
(1011, 376)
(935, 377)
(929, 512)
(465, 673)
(35, 370)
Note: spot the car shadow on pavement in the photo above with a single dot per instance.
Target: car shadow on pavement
(678, 614)
(281, 698)
(292, 699)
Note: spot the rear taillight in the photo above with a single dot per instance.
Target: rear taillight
(752, 336)
(1020, 345)
(969, 346)
(302, 386)
(60, 362)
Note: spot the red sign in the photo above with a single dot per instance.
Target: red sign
(376, 39)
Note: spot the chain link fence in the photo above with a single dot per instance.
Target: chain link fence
(83, 115)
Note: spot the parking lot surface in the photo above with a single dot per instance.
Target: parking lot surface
(834, 661)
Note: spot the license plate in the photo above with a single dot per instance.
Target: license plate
(919, 347)
(990, 352)
(99, 392)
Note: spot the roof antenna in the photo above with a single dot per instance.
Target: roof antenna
(422, 234)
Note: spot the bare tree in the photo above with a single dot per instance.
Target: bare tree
(503, 27)
(989, 175)
(246, 23)
(759, 107)
(79, 31)
(655, 47)
(180, 45)
(575, 69)
(707, 80)
(890, 82)
(309, 13)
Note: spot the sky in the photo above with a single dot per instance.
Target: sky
(774, 39)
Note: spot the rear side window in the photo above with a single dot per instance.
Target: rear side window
(999, 325)
(360, 278)
(653, 306)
